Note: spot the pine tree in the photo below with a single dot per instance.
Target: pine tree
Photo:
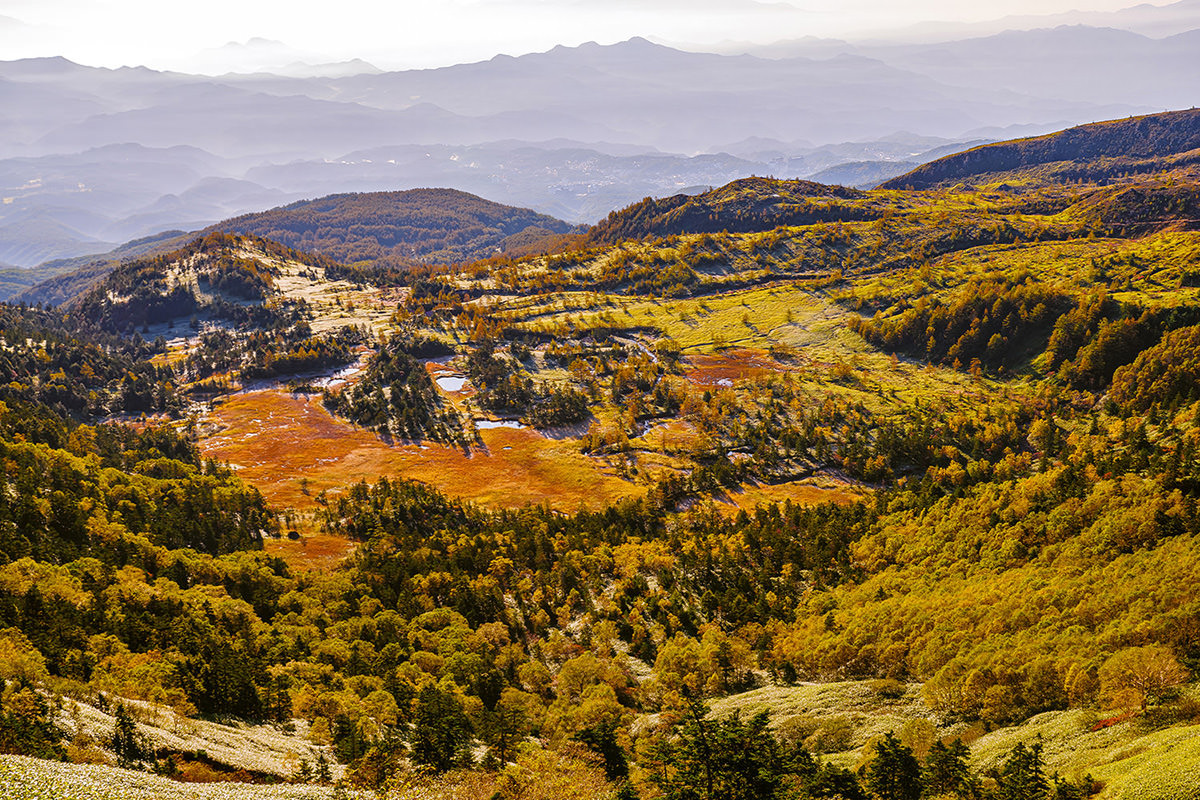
(894, 773)
(441, 731)
(503, 729)
(124, 742)
(1022, 776)
(322, 771)
(603, 740)
(722, 760)
(946, 769)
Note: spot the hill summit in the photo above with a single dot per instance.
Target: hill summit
(397, 229)
(750, 204)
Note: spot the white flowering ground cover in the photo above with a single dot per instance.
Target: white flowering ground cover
(24, 778)
(263, 749)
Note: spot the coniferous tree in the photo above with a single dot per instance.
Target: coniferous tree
(124, 742)
(894, 773)
(725, 759)
(27, 723)
(602, 739)
(946, 769)
(1022, 776)
(503, 729)
(441, 731)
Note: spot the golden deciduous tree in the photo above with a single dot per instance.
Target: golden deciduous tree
(1138, 675)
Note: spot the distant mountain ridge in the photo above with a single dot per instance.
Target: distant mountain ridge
(634, 92)
(1068, 61)
(212, 147)
(1147, 19)
(406, 230)
(1148, 137)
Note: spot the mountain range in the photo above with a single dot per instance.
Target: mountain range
(96, 157)
(394, 233)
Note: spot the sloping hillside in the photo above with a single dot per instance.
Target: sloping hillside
(397, 229)
(392, 231)
(1155, 136)
(56, 282)
(223, 276)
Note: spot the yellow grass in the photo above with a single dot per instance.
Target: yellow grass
(750, 318)
(335, 304)
(727, 336)
(315, 550)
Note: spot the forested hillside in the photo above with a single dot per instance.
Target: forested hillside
(1113, 148)
(382, 233)
(398, 229)
(916, 474)
(753, 204)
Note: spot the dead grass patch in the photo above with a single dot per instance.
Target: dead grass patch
(285, 444)
(314, 550)
(723, 369)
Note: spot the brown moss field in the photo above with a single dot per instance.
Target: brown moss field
(278, 440)
(709, 369)
(291, 449)
(313, 551)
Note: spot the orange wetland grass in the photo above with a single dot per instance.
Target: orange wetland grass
(722, 369)
(313, 550)
(291, 449)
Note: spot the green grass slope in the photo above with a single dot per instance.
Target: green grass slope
(1132, 759)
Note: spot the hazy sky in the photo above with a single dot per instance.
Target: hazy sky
(188, 34)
